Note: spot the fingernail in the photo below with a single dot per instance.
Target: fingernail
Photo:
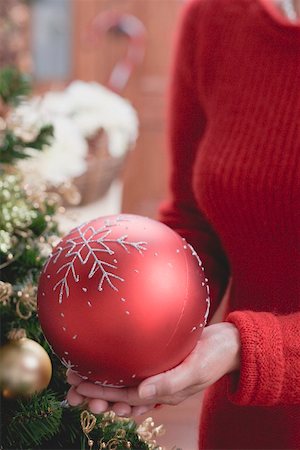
(147, 391)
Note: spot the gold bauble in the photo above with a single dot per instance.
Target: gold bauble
(25, 368)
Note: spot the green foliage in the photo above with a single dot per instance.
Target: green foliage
(114, 432)
(23, 224)
(108, 432)
(27, 222)
(13, 147)
(33, 420)
(13, 85)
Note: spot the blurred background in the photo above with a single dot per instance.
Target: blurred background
(125, 47)
(122, 44)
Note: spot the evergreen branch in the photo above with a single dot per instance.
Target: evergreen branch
(35, 419)
(13, 85)
(13, 148)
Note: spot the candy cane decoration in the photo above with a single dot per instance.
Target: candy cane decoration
(132, 27)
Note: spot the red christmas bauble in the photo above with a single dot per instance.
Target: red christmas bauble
(122, 298)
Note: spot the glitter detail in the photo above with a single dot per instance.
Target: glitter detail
(106, 384)
(67, 363)
(123, 299)
(203, 284)
(89, 303)
(84, 289)
(81, 246)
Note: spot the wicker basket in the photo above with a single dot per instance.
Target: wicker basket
(102, 170)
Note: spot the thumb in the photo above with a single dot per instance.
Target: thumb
(167, 383)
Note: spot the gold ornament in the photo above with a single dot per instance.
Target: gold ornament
(148, 432)
(88, 422)
(25, 368)
(6, 292)
(27, 301)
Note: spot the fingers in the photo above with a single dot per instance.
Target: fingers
(160, 387)
(157, 389)
(72, 378)
(122, 409)
(74, 399)
(170, 387)
(97, 406)
(124, 395)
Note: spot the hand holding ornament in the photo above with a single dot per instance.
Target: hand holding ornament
(215, 355)
(123, 301)
(122, 298)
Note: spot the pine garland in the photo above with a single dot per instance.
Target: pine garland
(34, 420)
(28, 231)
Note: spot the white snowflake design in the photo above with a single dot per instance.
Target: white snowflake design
(194, 253)
(67, 363)
(86, 245)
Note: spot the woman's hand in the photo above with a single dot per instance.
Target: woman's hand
(216, 354)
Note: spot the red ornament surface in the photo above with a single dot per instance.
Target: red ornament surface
(122, 298)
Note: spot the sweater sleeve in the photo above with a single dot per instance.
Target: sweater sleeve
(186, 126)
(270, 359)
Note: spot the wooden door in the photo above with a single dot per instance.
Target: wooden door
(145, 173)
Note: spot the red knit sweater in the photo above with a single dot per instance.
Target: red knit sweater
(234, 137)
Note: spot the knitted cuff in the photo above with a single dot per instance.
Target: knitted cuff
(261, 373)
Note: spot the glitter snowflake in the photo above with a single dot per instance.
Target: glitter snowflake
(67, 363)
(86, 244)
